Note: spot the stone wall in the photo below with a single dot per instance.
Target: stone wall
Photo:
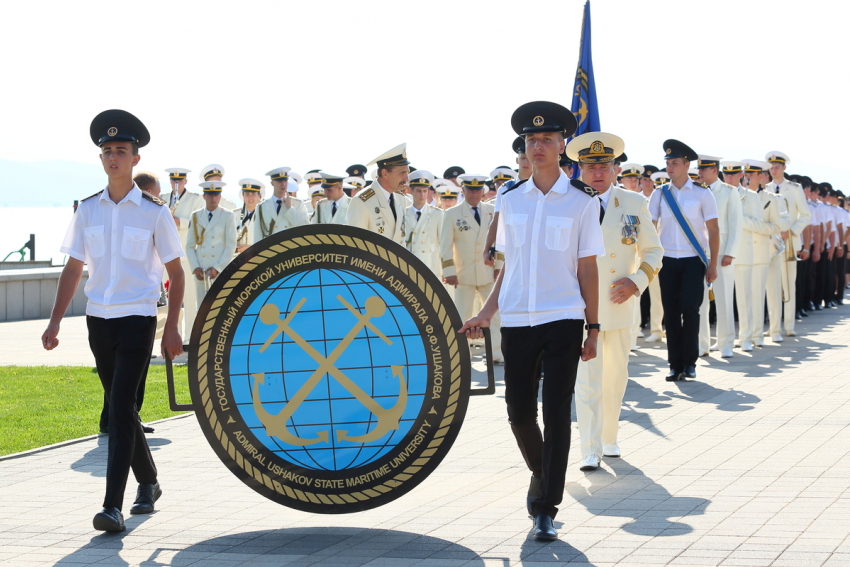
(29, 294)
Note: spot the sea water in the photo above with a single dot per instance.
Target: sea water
(49, 225)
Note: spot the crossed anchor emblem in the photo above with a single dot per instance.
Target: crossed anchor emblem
(276, 424)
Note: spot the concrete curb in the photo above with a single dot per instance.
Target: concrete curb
(78, 440)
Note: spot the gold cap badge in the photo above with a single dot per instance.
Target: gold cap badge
(597, 147)
(112, 131)
(538, 121)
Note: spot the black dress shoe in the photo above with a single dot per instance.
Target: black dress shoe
(533, 492)
(104, 430)
(674, 375)
(804, 313)
(810, 306)
(544, 528)
(690, 372)
(147, 428)
(109, 520)
(146, 495)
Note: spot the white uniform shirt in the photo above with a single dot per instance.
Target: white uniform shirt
(543, 237)
(816, 220)
(125, 246)
(697, 204)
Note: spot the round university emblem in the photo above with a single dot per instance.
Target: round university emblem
(326, 370)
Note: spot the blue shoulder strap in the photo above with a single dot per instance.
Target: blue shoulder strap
(683, 222)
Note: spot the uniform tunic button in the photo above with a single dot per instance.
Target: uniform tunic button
(612, 271)
(613, 255)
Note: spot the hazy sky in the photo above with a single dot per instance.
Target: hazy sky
(323, 84)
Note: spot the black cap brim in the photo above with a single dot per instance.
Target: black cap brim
(118, 126)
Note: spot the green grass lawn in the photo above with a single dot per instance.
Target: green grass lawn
(41, 405)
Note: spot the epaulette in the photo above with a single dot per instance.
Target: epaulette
(512, 187)
(90, 196)
(152, 199)
(366, 195)
(582, 186)
(701, 184)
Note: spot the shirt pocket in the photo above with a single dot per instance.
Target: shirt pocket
(558, 233)
(517, 225)
(691, 209)
(135, 243)
(95, 245)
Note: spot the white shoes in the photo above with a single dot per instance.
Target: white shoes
(777, 338)
(747, 346)
(653, 338)
(589, 463)
(703, 354)
(790, 333)
(611, 450)
(726, 353)
(715, 346)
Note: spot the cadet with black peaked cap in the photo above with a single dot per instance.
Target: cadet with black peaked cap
(279, 212)
(782, 294)
(646, 184)
(684, 273)
(566, 164)
(453, 173)
(730, 223)
(333, 209)
(631, 261)
(381, 207)
(546, 290)
(356, 170)
(125, 236)
(212, 239)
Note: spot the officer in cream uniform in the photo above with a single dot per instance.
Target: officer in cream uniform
(182, 203)
(462, 240)
(752, 283)
(425, 222)
(278, 213)
(730, 220)
(215, 172)
(284, 180)
(785, 264)
(333, 209)
(382, 207)
(632, 259)
(211, 242)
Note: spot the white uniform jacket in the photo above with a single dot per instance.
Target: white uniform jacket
(211, 242)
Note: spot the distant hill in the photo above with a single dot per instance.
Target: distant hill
(47, 183)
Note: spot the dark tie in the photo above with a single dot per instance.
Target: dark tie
(209, 216)
(333, 209)
(392, 207)
(601, 210)
(418, 214)
(277, 209)
(477, 217)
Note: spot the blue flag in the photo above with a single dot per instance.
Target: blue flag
(584, 93)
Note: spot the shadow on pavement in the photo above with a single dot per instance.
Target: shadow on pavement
(109, 545)
(551, 552)
(357, 546)
(726, 400)
(94, 461)
(652, 511)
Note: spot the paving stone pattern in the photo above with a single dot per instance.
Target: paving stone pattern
(748, 465)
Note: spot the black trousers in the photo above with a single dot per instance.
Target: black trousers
(811, 278)
(800, 285)
(682, 282)
(122, 350)
(140, 399)
(838, 290)
(558, 346)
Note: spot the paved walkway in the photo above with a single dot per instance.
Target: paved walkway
(749, 465)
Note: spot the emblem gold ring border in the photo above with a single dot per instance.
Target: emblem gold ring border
(233, 449)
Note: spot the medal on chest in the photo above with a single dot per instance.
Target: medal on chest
(630, 229)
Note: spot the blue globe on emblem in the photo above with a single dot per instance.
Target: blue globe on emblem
(328, 369)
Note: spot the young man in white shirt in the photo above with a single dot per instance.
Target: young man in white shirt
(549, 230)
(684, 274)
(125, 236)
